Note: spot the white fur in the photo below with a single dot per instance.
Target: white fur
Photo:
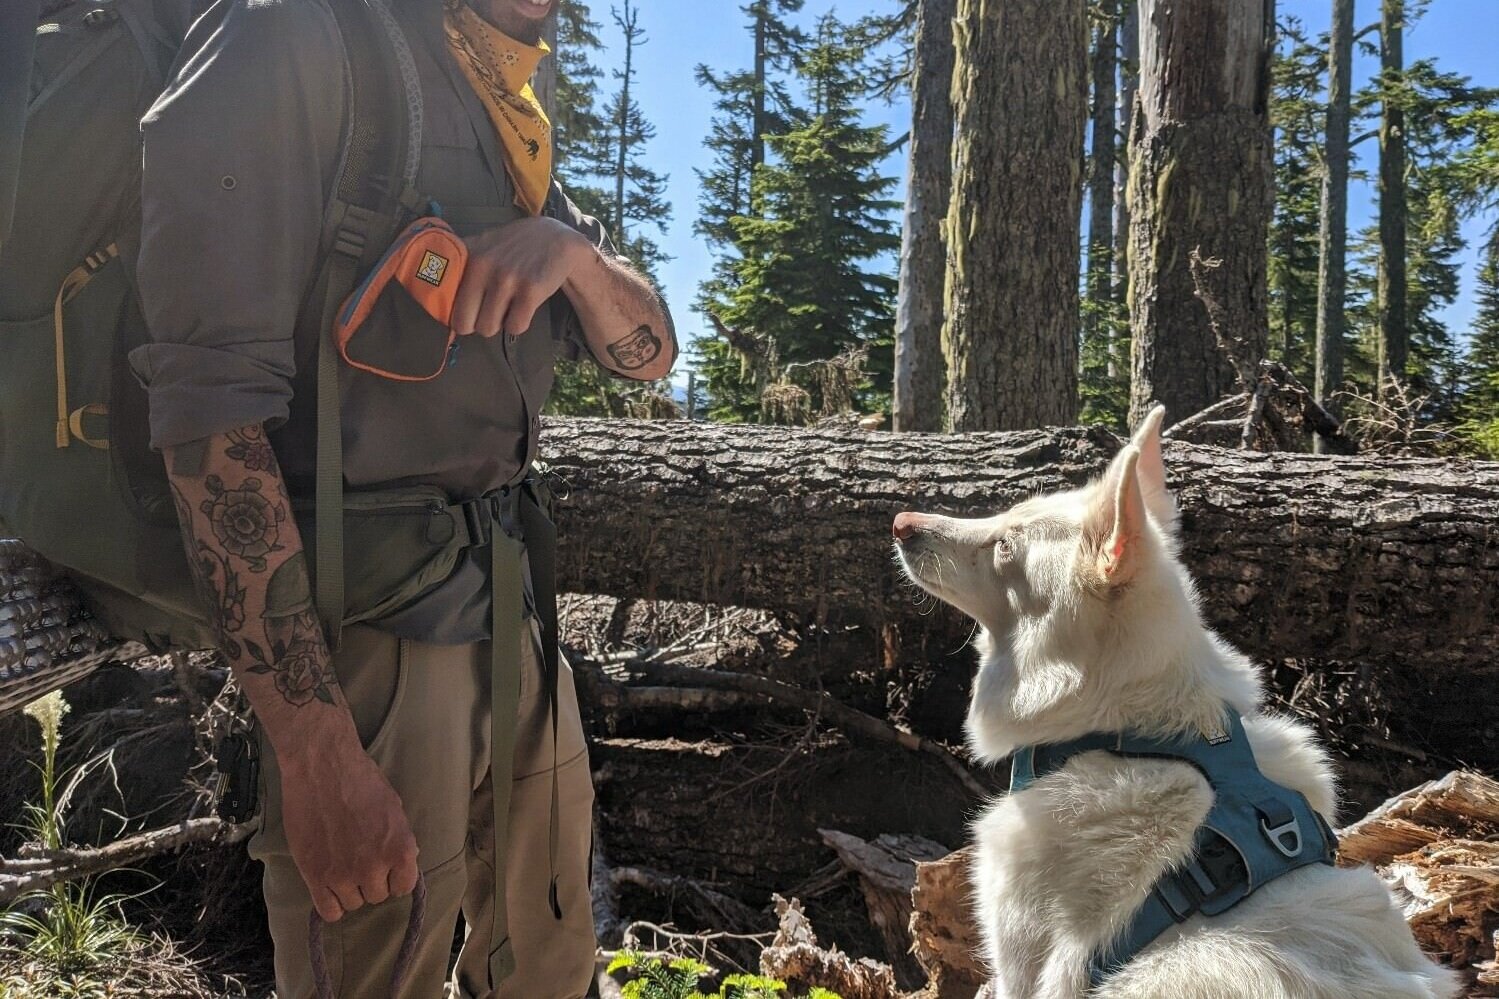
(1089, 623)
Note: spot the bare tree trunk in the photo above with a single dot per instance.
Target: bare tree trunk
(545, 81)
(1295, 555)
(1199, 180)
(1394, 337)
(1332, 270)
(919, 372)
(1101, 172)
(1020, 90)
(1129, 88)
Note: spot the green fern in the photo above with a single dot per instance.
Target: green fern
(679, 978)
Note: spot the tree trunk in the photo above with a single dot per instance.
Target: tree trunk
(1101, 172)
(1200, 173)
(1020, 90)
(1388, 558)
(1129, 87)
(1332, 270)
(919, 372)
(1394, 338)
(545, 80)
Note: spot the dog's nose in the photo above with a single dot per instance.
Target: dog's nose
(906, 524)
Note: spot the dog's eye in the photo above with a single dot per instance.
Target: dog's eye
(1004, 548)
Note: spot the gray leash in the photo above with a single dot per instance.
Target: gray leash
(323, 982)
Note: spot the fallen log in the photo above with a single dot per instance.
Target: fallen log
(944, 933)
(1296, 555)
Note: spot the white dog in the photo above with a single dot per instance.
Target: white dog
(1089, 624)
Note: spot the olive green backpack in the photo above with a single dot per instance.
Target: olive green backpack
(78, 480)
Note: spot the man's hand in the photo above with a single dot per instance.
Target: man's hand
(512, 271)
(346, 829)
(344, 824)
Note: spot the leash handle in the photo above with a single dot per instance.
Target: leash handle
(323, 982)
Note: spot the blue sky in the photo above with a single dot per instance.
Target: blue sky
(1462, 34)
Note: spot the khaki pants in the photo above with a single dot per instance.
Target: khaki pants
(422, 711)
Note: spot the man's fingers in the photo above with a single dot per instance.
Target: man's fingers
(347, 896)
(328, 907)
(466, 303)
(375, 888)
(522, 313)
(491, 317)
(403, 877)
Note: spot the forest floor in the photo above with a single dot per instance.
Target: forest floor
(707, 805)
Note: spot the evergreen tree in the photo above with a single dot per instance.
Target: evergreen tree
(638, 193)
(811, 278)
(1481, 399)
(1296, 114)
(579, 132)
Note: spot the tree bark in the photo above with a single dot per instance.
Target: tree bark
(1020, 94)
(544, 83)
(1332, 270)
(919, 371)
(1378, 559)
(1394, 338)
(1101, 171)
(1199, 180)
(1129, 87)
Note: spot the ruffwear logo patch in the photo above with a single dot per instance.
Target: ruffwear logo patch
(434, 266)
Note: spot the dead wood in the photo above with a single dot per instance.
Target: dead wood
(40, 870)
(697, 686)
(796, 958)
(944, 933)
(886, 869)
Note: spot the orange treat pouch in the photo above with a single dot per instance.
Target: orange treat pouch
(411, 291)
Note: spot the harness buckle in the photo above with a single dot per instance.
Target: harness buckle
(1278, 836)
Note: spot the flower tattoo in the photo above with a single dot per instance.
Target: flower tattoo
(246, 523)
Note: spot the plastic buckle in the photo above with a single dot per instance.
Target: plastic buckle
(479, 523)
(1277, 834)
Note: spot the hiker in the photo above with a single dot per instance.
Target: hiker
(379, 759)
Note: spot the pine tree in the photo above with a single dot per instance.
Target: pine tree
(638, 196)
(811, 281)
(1332, 245)
(1296, 115)
(749, 105)
(579, 132)
(1481, 398)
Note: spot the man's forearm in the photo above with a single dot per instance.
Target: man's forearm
(247, 560)
(626, 324)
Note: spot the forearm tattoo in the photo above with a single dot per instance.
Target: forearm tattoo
(635, 350)
(237, 528)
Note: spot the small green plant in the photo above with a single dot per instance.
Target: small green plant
(680, 978)
(75, 933)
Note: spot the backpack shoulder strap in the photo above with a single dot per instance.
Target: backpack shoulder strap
(17, 44)
(374, 189)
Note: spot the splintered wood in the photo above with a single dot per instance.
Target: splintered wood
(1437, 846)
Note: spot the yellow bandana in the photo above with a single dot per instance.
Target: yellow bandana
(499, 68)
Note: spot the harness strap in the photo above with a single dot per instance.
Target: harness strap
(328, 490)
(541, 546)
(1278, 830)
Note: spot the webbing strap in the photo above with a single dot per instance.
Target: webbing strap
(71, 285)
(541, 550)
(507, 619)
(328, 494)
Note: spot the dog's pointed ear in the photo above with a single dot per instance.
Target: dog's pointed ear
(1152, 470)
(1118, 519)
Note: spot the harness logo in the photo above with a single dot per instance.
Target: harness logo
(434, 266)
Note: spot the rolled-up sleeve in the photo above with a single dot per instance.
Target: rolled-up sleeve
(238, 154)
(569, 328)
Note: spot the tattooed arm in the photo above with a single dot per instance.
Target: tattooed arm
(514, 269)
(343, 821)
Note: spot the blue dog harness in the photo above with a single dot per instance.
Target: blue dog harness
(1256, 831)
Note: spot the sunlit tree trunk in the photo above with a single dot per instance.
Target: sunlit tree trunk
(1394, 337)
(1332, 271)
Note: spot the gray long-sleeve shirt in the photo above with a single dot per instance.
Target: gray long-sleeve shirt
(240, 151)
